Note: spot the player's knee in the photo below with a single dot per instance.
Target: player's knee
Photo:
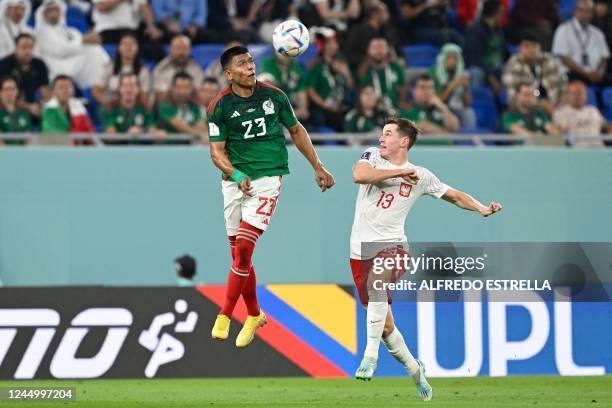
(243, 253)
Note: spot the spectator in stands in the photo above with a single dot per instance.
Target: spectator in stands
(64, 113)
(538, 18)
(386, 77)
(14, 15)
(368, 115)
(113, 19)
(30, 73)
(527, 119)
(267, 14)
(582, 47)
(335, 13)
(470, 11)
(12, 118)
(376, 24)
(179, 60)
(215, 70)
(184, 17)
(177, 113)
(205, 93)
(603, 20)
(426, 21)
(328, 80)
(428, 111)
(129, 115)
(65, 50)
(539, 68)
(583, 124)
(289, 76)
(452, 83)
(127, 61)
(485, 47)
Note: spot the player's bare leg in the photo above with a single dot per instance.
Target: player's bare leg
(394, 341)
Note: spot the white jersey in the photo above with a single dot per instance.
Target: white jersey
(381, 209)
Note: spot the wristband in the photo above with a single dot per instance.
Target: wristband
(238, 176)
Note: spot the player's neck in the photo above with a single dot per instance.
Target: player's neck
(398, 159)
(243, 92)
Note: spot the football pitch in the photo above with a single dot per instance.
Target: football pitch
(532, 391)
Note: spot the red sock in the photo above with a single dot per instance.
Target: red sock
(241, 267)
(232, 244)
(249, 294)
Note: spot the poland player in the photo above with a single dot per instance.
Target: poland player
(390, 185)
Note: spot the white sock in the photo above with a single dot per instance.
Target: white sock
(376, 315)
(399, 350)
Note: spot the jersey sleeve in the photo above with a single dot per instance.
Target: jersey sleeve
(430, 183)
(217, 131)
(370, 156)
(285, 113)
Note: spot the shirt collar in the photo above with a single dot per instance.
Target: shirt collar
(578, 26)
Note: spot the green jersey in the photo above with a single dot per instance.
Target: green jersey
(327, 83)
(251, 129)
(386, 81)
(418, 114)
(188, 113)
(535, 122)
(356, 122)
(123, 119)
(16, 121)
(291, 79)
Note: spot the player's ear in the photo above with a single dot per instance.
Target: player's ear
(227, 75)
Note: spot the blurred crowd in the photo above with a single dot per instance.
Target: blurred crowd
(532, 68)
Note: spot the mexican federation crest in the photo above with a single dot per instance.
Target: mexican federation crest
(268, 107)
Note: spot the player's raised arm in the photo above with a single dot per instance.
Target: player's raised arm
(467, 202)
(364, 173)
(302, 141)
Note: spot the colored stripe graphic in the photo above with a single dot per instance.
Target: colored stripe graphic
(280, 338)
(307, 331)
(327, 306)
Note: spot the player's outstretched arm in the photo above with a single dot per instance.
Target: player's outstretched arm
(467, 202)
(223, 163)
(363, 173)
(302, 141)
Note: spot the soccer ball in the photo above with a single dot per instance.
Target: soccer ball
(290, 38)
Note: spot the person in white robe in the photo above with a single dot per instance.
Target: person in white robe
(65, 50)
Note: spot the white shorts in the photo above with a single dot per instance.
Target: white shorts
(256, 210)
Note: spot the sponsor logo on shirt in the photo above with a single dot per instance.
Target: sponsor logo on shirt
(235, 114)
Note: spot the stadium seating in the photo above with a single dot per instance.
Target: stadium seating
(77, 19)
(606, 96)
(420, 55)
(205, 54)
(485, 108)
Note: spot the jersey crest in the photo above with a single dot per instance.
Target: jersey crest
(268, 107)
(405, 189)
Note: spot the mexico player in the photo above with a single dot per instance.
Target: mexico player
(248, 145)
(390, 185)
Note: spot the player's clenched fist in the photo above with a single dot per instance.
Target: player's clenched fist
(410, 175)
(491, 209)
(324, 178)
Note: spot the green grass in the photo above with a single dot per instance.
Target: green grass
(533, 391)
